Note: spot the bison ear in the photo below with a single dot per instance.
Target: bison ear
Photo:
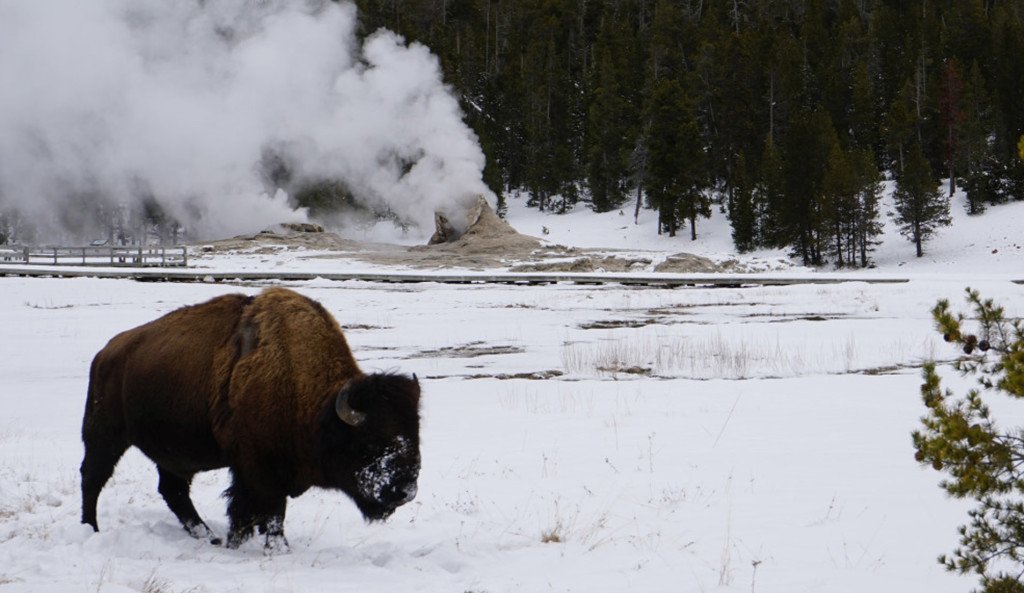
(415, 379)
(345, 411)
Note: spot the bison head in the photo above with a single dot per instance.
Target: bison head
(372, 442)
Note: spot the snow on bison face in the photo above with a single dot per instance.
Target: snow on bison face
(389, 481)
(385, 431)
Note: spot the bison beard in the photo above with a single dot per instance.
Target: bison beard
(265, 386)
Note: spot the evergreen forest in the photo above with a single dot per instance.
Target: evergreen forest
(787, 114)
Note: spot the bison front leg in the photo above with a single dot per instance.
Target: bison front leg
(272, 527)
(250, 509)
(175, 490)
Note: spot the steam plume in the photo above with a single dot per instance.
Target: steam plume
(179, 101)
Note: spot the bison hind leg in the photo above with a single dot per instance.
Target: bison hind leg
(101, 456)
(175, 490)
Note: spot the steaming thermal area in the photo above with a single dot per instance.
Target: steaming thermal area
(207, 107)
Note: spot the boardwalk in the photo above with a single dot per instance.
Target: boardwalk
(534, 278)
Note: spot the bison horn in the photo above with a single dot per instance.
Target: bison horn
(345, 411)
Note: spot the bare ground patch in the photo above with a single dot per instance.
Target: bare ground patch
(471, 350)
(627, 370)
(621, 323)
(608, 263)
(363, 327)
(687, 263)
(528, 375)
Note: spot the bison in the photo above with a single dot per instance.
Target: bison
(265, 386)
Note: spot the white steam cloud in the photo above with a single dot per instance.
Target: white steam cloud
(181, 100)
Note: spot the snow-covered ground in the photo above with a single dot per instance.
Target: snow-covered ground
(991, 243)
(726, 440)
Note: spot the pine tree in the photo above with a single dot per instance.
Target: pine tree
(804, 223)
(742, 213)
(606, 138)
(551, 97)
(967, 34)
(866, 225)
(1008, 79)
(612, 119)
(892, 64)
(920, 206)
(839, 204)
(665, 54)
(981, 184)
(782, 67)
(951, 115)
(898, 128)
(768, 198)
(863, 116)
(674, 157)
(728, 80)
(664, 112)
(984, 461)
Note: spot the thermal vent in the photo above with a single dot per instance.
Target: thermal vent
(183, 98)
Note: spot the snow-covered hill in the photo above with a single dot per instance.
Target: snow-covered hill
(990, 243)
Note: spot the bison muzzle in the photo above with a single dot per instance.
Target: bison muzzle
(265, 386)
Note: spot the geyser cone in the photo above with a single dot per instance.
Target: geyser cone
(485, 232)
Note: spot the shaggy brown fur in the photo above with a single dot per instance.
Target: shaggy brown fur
(250, 383)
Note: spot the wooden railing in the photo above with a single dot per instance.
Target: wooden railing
(129, 256)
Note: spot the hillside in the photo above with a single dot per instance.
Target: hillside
(990, 243)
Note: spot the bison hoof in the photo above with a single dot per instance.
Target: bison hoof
(201, 531)
(235, 540)
(276, 544)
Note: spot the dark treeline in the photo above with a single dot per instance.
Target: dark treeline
(786, 112)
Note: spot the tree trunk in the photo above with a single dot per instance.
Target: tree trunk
(839, 245)
(639, 197)
(771, 107)
(952, 168)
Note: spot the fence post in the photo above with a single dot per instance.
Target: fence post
(26, 255)
(83, 256)
(54, 256)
